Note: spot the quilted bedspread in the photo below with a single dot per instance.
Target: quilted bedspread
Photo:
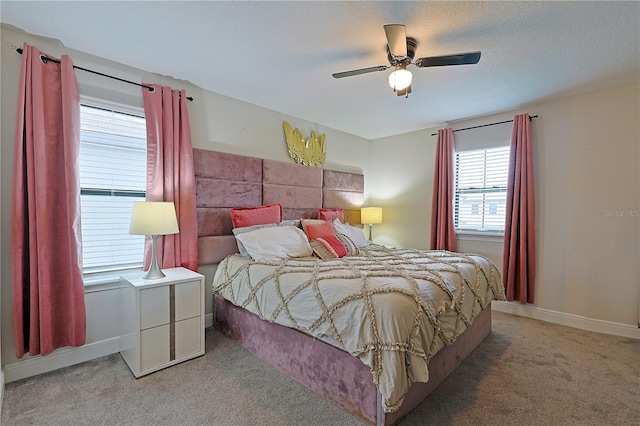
(392, 308)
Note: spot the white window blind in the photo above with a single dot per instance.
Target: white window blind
(481, 189)
(113, 167)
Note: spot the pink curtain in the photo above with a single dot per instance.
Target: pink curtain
(519, 258)
(443, 235)
(170, 174)
(47, 286)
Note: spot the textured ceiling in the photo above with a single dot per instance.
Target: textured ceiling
(280, 55)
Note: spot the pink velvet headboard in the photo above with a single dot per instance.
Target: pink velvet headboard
(225, 181)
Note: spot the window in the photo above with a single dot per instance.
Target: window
(480, 198)
(113, 168)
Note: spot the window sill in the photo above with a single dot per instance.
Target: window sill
(493, 237)
(107, 280)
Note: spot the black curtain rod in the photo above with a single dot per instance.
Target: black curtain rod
(486, 125)
(46, 58)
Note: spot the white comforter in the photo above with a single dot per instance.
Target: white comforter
(392, 308)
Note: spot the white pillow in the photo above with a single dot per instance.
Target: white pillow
(276, 243)
(238, 231)
(356, 234)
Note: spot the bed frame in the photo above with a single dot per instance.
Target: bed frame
(224, 181)
(333, 373)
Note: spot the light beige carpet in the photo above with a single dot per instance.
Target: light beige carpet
(527, 372)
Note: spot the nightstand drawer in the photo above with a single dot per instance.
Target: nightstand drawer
(161, 305)
(188, 337)
(187, 300)
(154, 347)
(158, 346)
(154, 307)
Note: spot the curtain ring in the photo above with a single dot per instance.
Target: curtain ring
(44, 59)
(152, 89)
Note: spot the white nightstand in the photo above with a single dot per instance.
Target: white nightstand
(163, 320)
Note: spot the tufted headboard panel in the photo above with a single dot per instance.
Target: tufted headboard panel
(225, 181)
(297, 188)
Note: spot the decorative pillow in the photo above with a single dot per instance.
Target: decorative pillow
(333, 247)
(259, 215)
(319, 230)
(355, 234)
(352, 248)
(238, 231)
(306, 222)
(275, 243)
(331, 214)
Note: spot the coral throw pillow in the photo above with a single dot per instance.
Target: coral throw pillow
(331, 214)
(260, 215)
(320, 230)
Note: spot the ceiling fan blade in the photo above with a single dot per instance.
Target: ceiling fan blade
(396, 39)
(360, 71)
(441, 61)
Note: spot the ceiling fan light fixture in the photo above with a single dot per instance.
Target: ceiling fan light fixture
(400, 79)
(401, 51)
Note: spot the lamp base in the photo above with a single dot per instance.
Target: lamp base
(154, 272)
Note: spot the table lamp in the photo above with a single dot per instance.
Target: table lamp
(370, 216)
(153, 218)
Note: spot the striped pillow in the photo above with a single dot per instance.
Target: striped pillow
(352, 248)
(333, 247)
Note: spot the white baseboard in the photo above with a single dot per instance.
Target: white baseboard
(1, 388)
(208, 320)
(570, 320)
(60, 358)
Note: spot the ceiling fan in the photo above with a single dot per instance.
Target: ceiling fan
(400, 53)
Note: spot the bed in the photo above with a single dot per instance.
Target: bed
(374, 332)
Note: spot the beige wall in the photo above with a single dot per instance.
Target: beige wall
(400, 182)
(589, 252)
(586, 153)
(217, 122)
